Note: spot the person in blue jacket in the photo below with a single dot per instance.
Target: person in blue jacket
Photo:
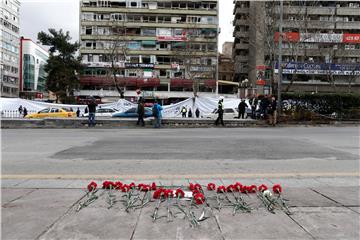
(157, 114)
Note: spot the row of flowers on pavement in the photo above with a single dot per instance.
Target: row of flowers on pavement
(136, 196)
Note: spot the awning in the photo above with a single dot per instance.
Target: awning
(179, 44)
(148, 43)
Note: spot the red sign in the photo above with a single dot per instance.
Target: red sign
(260, 82)
(172, 39)
(351, 38)
(288, 36)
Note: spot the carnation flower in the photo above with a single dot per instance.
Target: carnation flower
(92, 186)
(198, 187)
(221, 189)
(179, 193)
(251, 189)
(191, 186)
(243, 188)
(108, 185)
(153, 186)
(199, 198)
(262, 188)
(125, 188)
(231, 188)
(118, 185)
(277, 188)
(211, 187)
(132, 185)
(238, 186)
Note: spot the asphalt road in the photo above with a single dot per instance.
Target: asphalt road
(304, 151)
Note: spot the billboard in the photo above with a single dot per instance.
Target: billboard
(319, 68)
(318, 37)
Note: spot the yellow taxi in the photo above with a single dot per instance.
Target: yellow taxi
(53, 113)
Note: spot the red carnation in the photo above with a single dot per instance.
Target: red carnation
(277, 188)
(195, 191)
(243, 189)
(157, 193)
(132, 185)
(125, 188)
(221, 189)
(92, 186)
(153, 186)
(140, 186)
(231, 188)
(211, 187)
(199, 198)
(118, 185)
(191, 186)
(238, 186)
(108, 185)
(144, 187)
(168, 193)
(198, 187)
(251, 189)
(262, 188)
(179, 193)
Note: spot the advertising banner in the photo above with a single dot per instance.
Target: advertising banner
(319, 68)
(172, 39)
(351, 38)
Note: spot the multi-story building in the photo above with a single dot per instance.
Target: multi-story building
(32, 73)
(9, 48)
(226, 70)
(165, 48)
(320, 45)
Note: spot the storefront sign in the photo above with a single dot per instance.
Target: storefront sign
(172, 39)
(139, 65)
(320, 69)
(351, 38)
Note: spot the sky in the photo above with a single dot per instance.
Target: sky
(40, 15)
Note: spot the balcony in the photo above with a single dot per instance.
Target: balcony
(311, 24)
(348, 11)
(148, 11)
(239, 22)
(242, 46)
(84, 37)
(242, 58)
(146, 24)
(241, 11)
(239, 34)
(298, 10)
(348, 25)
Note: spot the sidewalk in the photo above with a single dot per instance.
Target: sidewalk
(323, 208)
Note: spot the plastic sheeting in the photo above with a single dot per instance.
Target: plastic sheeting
(205, 105)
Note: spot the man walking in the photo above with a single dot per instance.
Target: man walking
(220, 112)
(242, 106)
(92, 110)
(141, 113)
(183, 111)
(272, 112)
(157, 114)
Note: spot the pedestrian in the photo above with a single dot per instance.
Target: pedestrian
(92, 110)
(254, 103)
(78, 112)
(264, 104)
(272, 111)
(242, 106)
(197, 113)
(190, 113)
(220, 112)
(71, 109)
(183, 111)
(20, 109)
(141, 113)
(25, 112)
(86, 110)
(156, 110)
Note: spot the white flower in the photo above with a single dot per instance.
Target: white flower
(267, 194)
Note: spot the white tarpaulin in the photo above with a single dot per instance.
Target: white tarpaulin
(13, 104)
(205, 105)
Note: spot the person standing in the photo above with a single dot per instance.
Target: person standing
(242, 106)
(20, 110)
(197, 113)
(190, 113)
(183, 111)
(25, 111)
(141, 113)
(220, 112)
(272, 112)
(78, 112)
(92, 110)
(157, 115)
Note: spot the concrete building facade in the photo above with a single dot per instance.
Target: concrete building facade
(163, 48)
(9, 48)
(32, 73)
(320, 45)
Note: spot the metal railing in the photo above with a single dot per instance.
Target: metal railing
(14, 113)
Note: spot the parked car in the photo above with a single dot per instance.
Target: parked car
(103, 112)
(53, 113)
(229, 113)
(132, 113)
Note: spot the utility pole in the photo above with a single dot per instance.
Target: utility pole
(280, 56)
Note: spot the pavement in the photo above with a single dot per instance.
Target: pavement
(44, 179)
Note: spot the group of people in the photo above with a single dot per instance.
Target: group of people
(156, 112)
(184, 112)
(22, 111)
